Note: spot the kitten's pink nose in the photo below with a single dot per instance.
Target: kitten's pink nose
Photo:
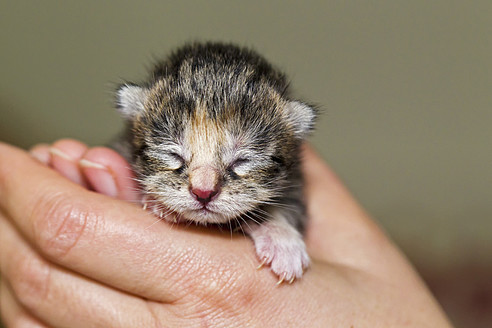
(205, 196)
(204, 183)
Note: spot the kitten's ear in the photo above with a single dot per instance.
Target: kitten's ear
(301, 116)
(130, 100)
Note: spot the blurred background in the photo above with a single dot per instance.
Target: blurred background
(405, 88)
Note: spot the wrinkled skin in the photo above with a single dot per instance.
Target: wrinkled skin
(71, 257)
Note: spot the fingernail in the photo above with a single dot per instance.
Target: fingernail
(102, 180)
(59, 153)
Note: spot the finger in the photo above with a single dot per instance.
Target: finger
(339, 230)
(65, 156)
(112, 241)
(12, 313)
(329, 202)
(61, 298)
(109, 173)
(42, 153)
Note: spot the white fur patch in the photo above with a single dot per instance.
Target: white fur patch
(131, 100)
(301, 116)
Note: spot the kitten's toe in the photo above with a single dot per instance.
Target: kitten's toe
(265, 260)
(281, 280)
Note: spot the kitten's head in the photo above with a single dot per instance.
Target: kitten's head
(213, 135)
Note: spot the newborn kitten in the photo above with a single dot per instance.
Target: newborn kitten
(214, 137)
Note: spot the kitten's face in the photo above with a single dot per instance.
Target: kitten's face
(214, 169)
(214, 138)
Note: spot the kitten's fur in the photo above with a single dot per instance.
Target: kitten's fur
(217, 120)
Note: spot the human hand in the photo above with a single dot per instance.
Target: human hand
(71, 257)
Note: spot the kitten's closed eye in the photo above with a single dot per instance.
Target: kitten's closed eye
(240, 166)
(172, 160)
(177, 162)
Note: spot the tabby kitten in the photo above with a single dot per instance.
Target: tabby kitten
(214, 137)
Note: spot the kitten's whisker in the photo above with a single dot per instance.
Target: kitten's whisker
(158, 220)
(241, 227)
(281, 188)
(251, 218)
(246, 222)
(282, 205)
(263, 212)
(230, 227)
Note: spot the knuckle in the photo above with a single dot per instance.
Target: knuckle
(58, 224)
(31, 281)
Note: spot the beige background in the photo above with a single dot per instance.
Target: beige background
(405, 87)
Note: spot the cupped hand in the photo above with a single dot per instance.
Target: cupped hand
(77, 250)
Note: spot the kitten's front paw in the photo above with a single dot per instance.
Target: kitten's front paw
(282, 249)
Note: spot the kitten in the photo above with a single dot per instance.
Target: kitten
(214, 137)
